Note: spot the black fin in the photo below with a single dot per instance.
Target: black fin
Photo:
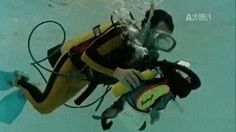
(143, 126)
(106, 125)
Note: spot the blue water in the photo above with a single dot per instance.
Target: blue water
(208, 45)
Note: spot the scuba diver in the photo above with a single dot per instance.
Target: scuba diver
(105, 56)
(12, 104)
(144, 103)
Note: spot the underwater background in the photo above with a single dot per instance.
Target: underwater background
(209, 45)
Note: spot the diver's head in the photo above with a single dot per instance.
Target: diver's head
(158, 33)
(160, 19)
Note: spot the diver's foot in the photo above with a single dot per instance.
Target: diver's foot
(20, 76)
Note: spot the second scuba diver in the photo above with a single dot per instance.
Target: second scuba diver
(135, 106)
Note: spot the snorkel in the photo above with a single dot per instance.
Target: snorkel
(147, 26)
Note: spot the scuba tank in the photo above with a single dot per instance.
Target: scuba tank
(119, 88)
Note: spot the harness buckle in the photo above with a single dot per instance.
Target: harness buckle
(96, 31)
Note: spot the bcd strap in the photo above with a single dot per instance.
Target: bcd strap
(86, 93)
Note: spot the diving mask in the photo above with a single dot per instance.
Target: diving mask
(163, 41)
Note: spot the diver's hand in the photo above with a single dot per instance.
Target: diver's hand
(129, 77)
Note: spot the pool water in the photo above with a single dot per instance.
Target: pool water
(205, 34)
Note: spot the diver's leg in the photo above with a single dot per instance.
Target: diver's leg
(75, 86)
(34, 91)
(58, 95)
(59, 89)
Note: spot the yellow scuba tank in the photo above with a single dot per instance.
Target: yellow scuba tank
(119, 88)
(86, 36)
